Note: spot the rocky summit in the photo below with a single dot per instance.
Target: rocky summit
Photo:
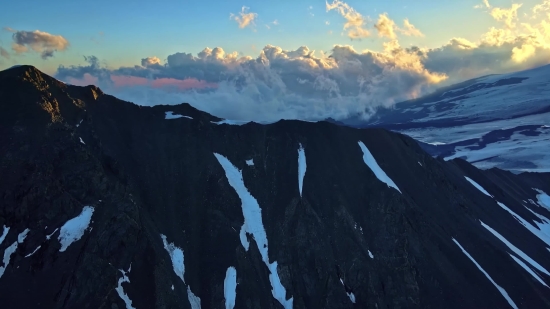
(106, 204)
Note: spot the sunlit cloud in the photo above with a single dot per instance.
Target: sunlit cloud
(244, 18)
(355, 22)
(301, 83)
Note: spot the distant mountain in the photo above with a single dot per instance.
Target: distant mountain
(493, 121)
(106, 204)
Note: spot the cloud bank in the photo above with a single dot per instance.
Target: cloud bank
(305, 84)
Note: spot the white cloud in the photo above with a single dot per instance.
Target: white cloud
(245, 18)
(508, 16)
(305, 84)
(355, 22)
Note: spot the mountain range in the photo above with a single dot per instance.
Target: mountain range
(493, 121)
(107, 204)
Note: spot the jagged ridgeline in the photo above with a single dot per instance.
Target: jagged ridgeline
(106, 204)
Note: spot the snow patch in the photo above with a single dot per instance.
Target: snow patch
(4, 234)
(527, 225)
(172, 287)
(480, 188)
(500, 289)
(301, 167)
(50, 236)
(250, 162)
(350, 294)
(528, 269)
(420, 163)
(120, 290)
(373, 165)
(230, 122)
(81, 141)
(543, 199)
(176, 255)
(74, 229)
(33, 252)
(253, 225)
(370, 254)
(516, 250)
(230, 287)
(11, 249)
(193, 299)
(171, 115)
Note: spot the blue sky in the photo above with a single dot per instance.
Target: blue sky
(392, 50)
(122, 32)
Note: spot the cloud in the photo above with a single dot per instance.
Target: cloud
(409, 29)
(4, 53)
(541, 8)
(387, 28)
(485, 4)
(276, 84)
(508, 16)
(355, 22)
(301, 83)
(150, 62)
(38, 41)
(244, 19)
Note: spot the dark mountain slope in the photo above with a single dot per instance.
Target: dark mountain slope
(347, 240)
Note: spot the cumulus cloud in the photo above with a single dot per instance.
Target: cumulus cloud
(244, 18)
(355, 22)
(305, 84)
(150, 62)
(38, 41)
(508, 16)
(387, 27)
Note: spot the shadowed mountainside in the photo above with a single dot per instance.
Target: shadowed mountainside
(158, 185)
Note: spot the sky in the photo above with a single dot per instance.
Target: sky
(260, 60)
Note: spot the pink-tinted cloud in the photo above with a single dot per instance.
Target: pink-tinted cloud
(86, 80)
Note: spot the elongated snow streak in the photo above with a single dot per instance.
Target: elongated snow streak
(74, 229)
(230, 287)
(516, 250)
(120, 290)
(480, 188)
(370, 255)
(82, 141)
(375, 168)
(178, 264)
(528, 269)
(500, 289)
(4, 234)
(171, 115)
(33, 252)
(50, 236)
(194, 300)
(527, 225)
(253, 225)
(11, 249)
(176, 256)
(350, 294)
(301, 167)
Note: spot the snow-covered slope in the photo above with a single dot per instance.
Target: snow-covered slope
(493, 121)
